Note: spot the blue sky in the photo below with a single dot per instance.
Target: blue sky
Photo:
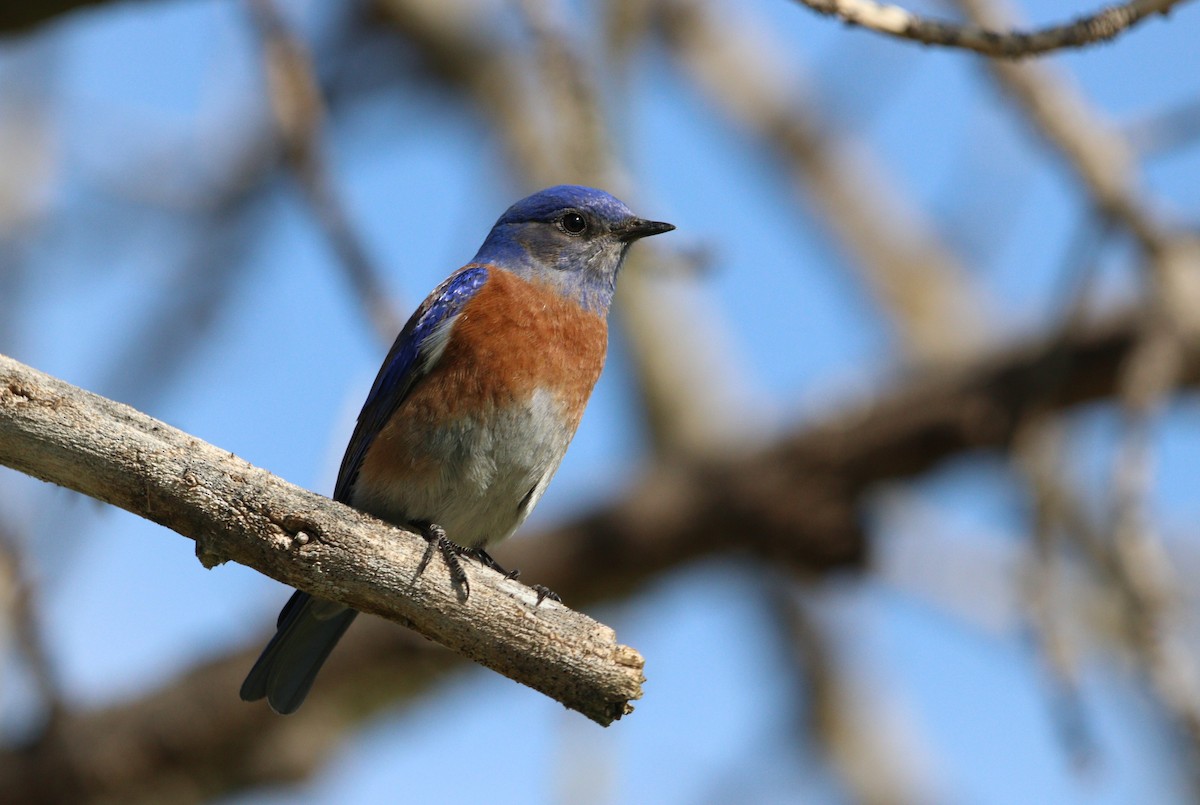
(148, 101)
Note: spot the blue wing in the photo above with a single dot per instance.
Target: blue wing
(404, 365)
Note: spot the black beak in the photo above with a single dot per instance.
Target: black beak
(636, 228)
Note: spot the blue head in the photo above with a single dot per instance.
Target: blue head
(571, 237)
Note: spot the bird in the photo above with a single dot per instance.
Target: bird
(475, 404)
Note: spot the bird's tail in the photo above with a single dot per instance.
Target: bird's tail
(307, 631)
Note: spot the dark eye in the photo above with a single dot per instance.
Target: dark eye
(572, 223)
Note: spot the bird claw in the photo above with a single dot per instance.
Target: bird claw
(435, 537)
(486, 560)
(544, 592)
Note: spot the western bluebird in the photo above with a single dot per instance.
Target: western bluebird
(475, 404)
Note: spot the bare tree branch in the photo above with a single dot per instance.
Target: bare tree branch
(238, 512)
(883, 18)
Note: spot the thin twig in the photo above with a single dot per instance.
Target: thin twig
(1101, 26)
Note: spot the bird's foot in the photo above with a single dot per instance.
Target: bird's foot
(544, 592)
(436, 538)
(451, 552)
(486, 560)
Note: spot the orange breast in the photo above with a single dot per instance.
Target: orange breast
(512, 338)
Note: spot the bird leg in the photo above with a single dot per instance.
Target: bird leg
(486, 560)
(436, 538)
(543, 592)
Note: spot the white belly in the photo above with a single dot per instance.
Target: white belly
(478, 478)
